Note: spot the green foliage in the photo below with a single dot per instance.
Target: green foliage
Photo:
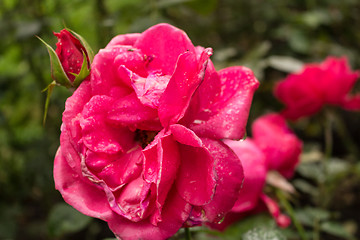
(64, 219)
(263, 233)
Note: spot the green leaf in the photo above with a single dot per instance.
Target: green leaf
(263, 234)
(64, 219)
(57, 71)
(336, 229)
(235, 231)
(284, 63)
(309, 215)
(88, 49)
(312, 171)
(306, 187)
(337, 167)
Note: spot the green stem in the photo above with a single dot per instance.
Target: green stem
(290, 211)
(328, 149)
(187, 234)
(343, 132)
(328, 135)
(316, 233)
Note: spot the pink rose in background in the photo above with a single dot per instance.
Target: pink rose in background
(329, 82)
(140, 141)
(273, 147)
(70, 52)
(278, 142)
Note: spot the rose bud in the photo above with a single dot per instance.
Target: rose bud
(70, 62)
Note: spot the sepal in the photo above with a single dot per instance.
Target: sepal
(49, 90)
(88, 49)
(57, 71)
(84, 72)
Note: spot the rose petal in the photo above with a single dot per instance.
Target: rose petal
(205, 95)
(196, 177)
(99, 136)
(230, 176)
(228, 116)
(130, 112)
(164, 43)
(253, 162)
(209, 88)
(187, 77)
(72, 151)
(124, 39)
(148, 89)
(116, 170)
(134, 200)
(73, 108)
(78, 191)
(174, 214)
(162, 161)
(104, 69)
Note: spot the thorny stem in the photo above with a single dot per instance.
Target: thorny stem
(290, 211)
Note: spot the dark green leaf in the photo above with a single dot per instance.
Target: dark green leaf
(64, 219)
(336, 229)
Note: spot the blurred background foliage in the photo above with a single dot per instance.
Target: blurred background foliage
(272, 37)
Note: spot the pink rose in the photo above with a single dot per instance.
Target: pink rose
(71, 53)
(140, 143)
(329, 82)
(278, 142)
(273, 147)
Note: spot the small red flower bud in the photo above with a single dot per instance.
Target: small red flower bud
(71, 53)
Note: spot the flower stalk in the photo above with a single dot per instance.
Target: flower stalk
(187, 234)
(289, 209)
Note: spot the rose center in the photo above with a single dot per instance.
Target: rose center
(144, 137)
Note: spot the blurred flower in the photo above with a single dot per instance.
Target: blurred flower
(140, 145)
(273, 147)
(277, 141)
(329, 82)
